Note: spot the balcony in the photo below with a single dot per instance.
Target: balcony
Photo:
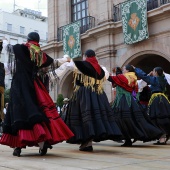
(151, 4)
(86, 24)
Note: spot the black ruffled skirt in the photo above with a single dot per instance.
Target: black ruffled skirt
(133, 121)
(90, 117)
(159, 113)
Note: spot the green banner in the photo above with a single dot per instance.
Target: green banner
(71, 40)
(134, 21)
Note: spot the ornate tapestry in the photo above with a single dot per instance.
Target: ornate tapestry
(134, 21)
(71, 40)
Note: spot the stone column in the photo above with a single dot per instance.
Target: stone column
(52, 20)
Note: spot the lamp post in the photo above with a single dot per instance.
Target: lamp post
(14, 5)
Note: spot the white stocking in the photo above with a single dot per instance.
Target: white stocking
(162, 138)
(89, 143)
(41, 145)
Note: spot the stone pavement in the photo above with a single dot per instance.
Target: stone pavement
(107, 155)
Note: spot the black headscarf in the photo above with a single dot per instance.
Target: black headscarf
(33, 36)
(90, 53)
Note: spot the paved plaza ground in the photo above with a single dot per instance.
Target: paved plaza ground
(107, 155)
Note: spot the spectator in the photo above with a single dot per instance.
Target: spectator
(64, 108)
(5, 108)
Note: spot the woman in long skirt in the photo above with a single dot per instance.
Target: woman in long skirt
(159, 105)
(31, 118)
(127, 112)
(89, 114)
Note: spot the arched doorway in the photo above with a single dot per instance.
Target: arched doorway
(66, 85)
(148, 61)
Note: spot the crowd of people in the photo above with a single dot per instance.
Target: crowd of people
(140, 110)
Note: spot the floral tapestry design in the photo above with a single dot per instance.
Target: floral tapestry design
(134, 21)
(71, 40)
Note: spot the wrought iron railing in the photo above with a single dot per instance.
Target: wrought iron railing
(151, 4)
(86, 24)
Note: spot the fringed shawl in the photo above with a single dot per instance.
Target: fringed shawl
(128, 81)
(88, 82)
(36, 55)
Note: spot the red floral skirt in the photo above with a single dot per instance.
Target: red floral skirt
(54, 132)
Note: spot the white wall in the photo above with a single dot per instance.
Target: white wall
(15, 37)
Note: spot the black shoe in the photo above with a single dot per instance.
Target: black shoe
(127, 144)
(160, 143)
(167, 138)
(17, 152)
(86, 149)
(45, 148)
(134, 140)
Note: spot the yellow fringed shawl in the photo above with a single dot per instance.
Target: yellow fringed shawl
(132, 78)
(156, 95)
(88, 82)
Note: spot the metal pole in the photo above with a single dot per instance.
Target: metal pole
(39, 5)
(14, 6)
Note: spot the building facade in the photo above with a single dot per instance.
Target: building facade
(101, 30)
(16, 26)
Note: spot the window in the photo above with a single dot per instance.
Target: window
(79, 9)
(22, 30)
(9, 27)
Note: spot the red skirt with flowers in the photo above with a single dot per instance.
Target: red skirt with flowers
(53, 132)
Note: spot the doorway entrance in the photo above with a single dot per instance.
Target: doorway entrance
(148, 61)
